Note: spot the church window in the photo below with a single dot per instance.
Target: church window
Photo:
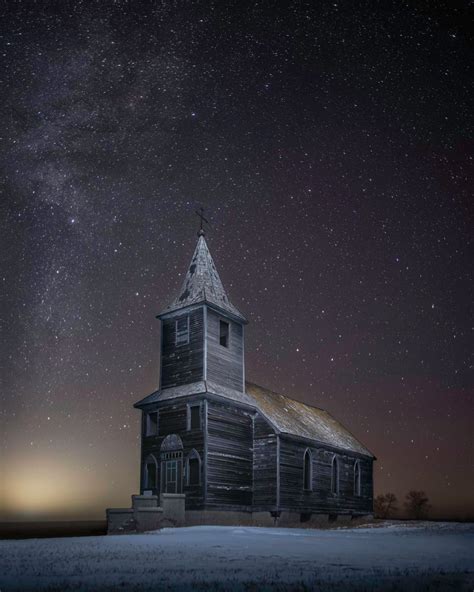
(182, 330)
(152, 424)
(307, 471)
(171, 476)
(335, 476)
(171, 454)
(194, 417)
(224, 333)
(171, 468)
(150, 473)
(357, 478)
(194, 468)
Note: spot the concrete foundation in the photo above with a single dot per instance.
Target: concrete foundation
(120, 520)
(173, 507)
(146, 514)
(285, 519)
(264, 519)
(144, 501)
(218, 517)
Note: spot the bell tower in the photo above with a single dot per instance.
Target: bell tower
(202, 332)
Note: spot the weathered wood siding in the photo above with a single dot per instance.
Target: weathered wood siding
(264, 465)
(173, 420)
(229, 455)
(182, 364)
(320, 499)
(225, 364)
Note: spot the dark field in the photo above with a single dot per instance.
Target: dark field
(417, 557)
(40, 530)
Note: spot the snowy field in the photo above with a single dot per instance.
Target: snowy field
(428, 556)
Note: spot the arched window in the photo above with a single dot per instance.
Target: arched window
(193, 468)
(335, 476)
(150, 472)
(357, 478)
(171, 455)
(307, 471)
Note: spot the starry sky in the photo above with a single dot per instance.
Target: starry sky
(329, 143)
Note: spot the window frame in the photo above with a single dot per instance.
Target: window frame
(175, 459)
(193, 455)
(335, 485)
(181, 341)
(357, 479)
(150, 459)
(191, 406)
(308, 486)
(148, 432)
(171, 468)
(227, 335)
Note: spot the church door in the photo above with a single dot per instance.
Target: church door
(171, 453)
(171, 476)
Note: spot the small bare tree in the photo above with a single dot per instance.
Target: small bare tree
(385, 505)
(416, 504)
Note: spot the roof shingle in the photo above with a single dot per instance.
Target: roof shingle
(202, 284)
(298, 419)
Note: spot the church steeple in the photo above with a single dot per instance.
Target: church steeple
(202, 337)
(202, 284)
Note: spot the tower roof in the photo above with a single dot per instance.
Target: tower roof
(202, 284)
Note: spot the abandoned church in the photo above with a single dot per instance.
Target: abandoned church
(218, 449)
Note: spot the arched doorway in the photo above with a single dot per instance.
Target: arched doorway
(150, 473)
(171, 456)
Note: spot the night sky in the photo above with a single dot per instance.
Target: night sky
(329, 143)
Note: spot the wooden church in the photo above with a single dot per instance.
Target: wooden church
(238, 451)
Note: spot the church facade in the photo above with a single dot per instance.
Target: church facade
(237, 451)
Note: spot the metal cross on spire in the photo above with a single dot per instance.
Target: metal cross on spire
(200, 214)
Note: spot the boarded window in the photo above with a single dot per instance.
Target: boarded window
(335, 476)
(307, 471)
(152, 424)
(150, 474)
(357, 478)
(194, 470)
(195, 417)
(224, 333)
(182, 330)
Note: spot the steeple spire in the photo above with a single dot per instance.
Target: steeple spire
(202, 284)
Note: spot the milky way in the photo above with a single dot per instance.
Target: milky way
(329, 145)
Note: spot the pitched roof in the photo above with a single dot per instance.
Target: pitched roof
(287, 415)
(202, 284)
(298, 419)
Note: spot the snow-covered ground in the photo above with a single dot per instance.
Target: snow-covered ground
(392, 557)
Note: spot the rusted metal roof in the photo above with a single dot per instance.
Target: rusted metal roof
(202, 284)
(298, 419)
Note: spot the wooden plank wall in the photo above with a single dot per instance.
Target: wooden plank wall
(320, 499)
(182, 364)
(264, 466)
(224, 364)
(229, 469)
(172, 420)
